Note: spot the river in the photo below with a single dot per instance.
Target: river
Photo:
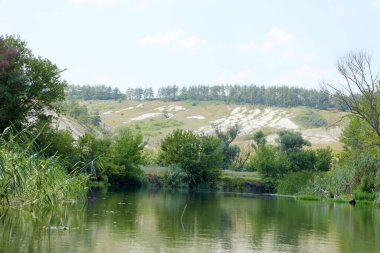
(146, 221)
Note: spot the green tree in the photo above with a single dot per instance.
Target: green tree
(96, 119)
(200, 157)
(93, 154)
(291, 141)
(359, 136)
(259, 139)
(126, 155)
(269, 162)
(28, 84)
(230, 152)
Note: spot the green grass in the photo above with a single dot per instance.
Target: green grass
(152, 127)
(308, 197)
(243, 174)
(27, 178)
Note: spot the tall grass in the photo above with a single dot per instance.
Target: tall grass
(29, 178)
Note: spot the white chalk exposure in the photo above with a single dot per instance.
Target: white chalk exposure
(171, 108)
(315, 136)
(250, 120)
(107, 112)
(196, 117)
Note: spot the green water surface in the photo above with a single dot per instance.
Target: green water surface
(145, 221)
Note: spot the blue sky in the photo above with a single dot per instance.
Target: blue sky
(131, 43)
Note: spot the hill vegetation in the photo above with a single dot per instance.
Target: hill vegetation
(222, 128)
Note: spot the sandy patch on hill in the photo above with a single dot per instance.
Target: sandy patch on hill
(252, 119)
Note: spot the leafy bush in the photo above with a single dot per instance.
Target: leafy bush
(294, 182)
(126, 154)
(291, 141)
(340, 181)
(200, 157)
(360, 195)
(270, 163)
(175, 178)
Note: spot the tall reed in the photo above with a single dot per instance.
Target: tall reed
(29, 178)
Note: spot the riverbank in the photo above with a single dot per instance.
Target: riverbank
(246, 182)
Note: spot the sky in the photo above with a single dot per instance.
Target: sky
(143, 43)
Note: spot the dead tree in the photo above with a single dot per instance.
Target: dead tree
(360, 90)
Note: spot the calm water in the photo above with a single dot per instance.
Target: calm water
(178, 222)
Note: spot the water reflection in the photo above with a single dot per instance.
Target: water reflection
(144, 221)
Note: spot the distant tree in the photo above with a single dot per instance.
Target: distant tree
(28, 84)
(148, 93)
(96, 120)
(259, 139)
(291, 141)
(230, 152)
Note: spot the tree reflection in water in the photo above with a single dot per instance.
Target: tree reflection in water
(144, 221)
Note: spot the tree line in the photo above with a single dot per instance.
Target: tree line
(283, 96)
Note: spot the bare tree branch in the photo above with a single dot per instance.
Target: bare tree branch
(360, 93)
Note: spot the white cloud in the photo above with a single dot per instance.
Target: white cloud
(248, 48)
(243, 76)
(281, 43)
(305, 75)
(176, 38)
(376, 3)
(100, 3)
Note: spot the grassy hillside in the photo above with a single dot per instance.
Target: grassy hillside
(157, 118)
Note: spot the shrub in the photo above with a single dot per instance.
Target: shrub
(175, 178)
(126, 154)
(270, 163)
(294, 182)
(360, 195)
(200, 157)
(311, 119)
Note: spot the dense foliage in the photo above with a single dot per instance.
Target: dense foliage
(199, 157)
(29, 85)
(274, 162)
(230, 152)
